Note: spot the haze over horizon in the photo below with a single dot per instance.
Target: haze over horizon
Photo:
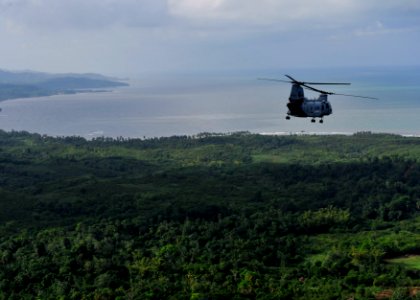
(126, 37)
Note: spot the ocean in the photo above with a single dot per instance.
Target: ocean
(187, 104)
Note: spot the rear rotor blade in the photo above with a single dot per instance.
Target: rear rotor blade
(271, 79)
(316, 83)
(328, 83)
(315, 90)
(291, 78)
(305, 85)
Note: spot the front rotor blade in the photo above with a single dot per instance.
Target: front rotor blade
(355, 96)
(331, 93)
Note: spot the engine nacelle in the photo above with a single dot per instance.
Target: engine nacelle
(296, 93)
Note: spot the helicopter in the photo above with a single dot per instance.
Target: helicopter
(302, 107)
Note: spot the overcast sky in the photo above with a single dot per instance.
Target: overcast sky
(119, 37)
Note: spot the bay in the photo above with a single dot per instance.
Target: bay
(188, 104)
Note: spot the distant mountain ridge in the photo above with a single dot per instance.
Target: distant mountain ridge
(24, 84)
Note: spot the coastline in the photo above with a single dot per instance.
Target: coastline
(66, 92)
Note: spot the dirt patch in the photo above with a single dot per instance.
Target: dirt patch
(388, 293)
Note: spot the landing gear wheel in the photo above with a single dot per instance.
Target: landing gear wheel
(313, 120)
(287, 117)
(321, 121)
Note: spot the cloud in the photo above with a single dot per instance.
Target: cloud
(378, 28)
(88, 14)
(261, 12)
(85, 14)
(120, 35)
(242, 18)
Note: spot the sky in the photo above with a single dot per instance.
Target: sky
(126, 37)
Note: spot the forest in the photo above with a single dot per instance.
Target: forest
(211, 216)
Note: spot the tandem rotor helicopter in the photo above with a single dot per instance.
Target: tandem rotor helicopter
(302, 107)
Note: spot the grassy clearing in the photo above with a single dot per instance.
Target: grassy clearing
(408, 261)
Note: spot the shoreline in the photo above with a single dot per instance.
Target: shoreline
(100, 134)
(66, 92)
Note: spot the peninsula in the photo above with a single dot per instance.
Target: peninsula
(25, 84)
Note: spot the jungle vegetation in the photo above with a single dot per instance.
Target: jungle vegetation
(212, 216)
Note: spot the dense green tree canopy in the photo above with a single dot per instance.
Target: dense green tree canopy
(214, 216)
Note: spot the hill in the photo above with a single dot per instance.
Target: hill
(35, 84)
(237, 216)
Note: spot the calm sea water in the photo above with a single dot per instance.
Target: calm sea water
(190, 104)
